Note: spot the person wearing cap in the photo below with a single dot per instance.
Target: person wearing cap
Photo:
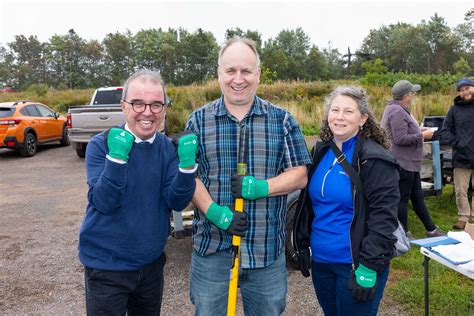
(406, 139)
(458, 131)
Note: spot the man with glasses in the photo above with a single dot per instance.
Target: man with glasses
(406, 138)
(135, 175)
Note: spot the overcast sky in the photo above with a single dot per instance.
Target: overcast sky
(343, 23)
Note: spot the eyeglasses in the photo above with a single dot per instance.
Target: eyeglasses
(140, 106)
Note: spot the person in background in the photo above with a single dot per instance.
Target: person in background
(276, 166)
(406, 140)
(458, 132)
(135, 175)
(349, 231)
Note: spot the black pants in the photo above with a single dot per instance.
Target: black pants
(410, 188)
(137, 292)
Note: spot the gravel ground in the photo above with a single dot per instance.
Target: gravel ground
(43, 200)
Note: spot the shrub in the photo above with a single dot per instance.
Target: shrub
(40, 89)
(310, 130)
(429, 83)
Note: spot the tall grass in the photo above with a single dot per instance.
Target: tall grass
(58, 100)
(305, 100)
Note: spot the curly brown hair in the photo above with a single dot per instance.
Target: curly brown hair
(371, 128)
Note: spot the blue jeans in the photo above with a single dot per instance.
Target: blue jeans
(137, 292)
(263, 290)
(331, 282)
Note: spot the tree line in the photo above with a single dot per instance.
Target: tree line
(70, 61)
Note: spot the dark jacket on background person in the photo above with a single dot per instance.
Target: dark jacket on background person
(404, 134)
(458, 132)
(371, 231)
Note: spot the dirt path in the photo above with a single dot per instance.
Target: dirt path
(42, 202)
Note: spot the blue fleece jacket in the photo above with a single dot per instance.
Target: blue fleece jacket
(331, 197)
(127, 218)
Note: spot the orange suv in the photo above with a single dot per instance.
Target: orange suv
(25, 124)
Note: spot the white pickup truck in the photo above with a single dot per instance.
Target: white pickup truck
(103, 112)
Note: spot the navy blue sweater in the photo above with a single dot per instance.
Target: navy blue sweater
(127, 218)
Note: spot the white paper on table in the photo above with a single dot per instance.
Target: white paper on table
(458, 253)
(462, 237)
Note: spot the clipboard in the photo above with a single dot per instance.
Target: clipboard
(428, 243)
(434, 241)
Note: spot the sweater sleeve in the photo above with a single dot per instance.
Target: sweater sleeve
(178, 186)
(106, 179)
(382, 195)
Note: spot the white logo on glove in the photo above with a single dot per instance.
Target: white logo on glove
(122, 139)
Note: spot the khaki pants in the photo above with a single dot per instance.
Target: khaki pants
(461, 185)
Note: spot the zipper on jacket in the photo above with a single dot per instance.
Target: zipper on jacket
(350, 227)
(327, 173)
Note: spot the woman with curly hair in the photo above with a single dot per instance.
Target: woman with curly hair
(342, 233)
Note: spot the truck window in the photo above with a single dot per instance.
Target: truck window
(108, 97)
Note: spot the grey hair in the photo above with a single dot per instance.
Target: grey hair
(237, 39)
(144, 75)
(357, 94)
(371, 128)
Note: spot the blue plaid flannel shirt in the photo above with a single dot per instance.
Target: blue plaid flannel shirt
(275, 143)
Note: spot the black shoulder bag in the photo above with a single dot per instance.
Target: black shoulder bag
(403, 244)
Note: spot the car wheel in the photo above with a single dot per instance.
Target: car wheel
(65, 138)
(30, 146)
(81, 149)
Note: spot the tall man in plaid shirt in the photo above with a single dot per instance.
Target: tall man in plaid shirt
(276, 166)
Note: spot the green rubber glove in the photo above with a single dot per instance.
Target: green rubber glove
(221, 216)
(224, 218)
(120, 143)
(249, 187)
(187, 148)
(365, 277)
